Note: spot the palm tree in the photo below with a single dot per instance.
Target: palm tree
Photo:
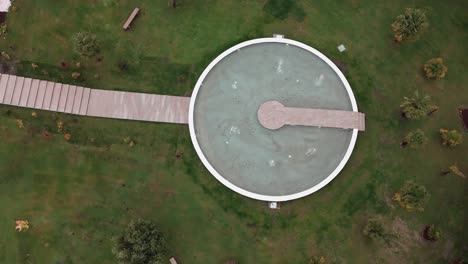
(455, 170)
(417, 107)
(409, 24)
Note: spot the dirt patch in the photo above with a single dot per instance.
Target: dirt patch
(388, 197)
(400, 243)
(464, 116)
(341, 66)
(407, 239)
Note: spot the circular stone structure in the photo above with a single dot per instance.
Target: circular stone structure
(271, 165)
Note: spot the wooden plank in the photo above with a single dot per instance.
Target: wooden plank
(17, 92)
(138, 106)
(33, 93)
(3, 86)
(85, 101)
(78, 96)
(10, 89)
(131, 18)
(48, 96)
(25, 93)
(56, 96)
(63, 98)
(40, 94)
(70, 99)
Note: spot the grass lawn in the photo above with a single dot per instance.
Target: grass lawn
(78, 194)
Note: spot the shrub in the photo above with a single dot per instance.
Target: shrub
(317, 260)
(415, 138)
(431, 233)
(85, 44)
(409, 25)
(374, 229)
(435, 68)
(140, 243)
(450, 138)
(412, 196)
(417, 107)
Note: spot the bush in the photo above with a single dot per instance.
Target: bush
(375, 230)
(141, 243)
(435, 68)
(409, 25)
(416, 107)
(416, 138)
(85, 44)
(412, 196)
(317, 260)
(450, 138)
(431, 233)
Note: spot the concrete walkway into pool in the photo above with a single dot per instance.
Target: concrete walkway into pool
(57, 97)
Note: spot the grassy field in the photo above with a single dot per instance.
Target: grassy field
(79, 194)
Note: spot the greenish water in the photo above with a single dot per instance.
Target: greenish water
(262, 161)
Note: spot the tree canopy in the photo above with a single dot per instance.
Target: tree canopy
(140, 243)
(417, 107)
(412, 196)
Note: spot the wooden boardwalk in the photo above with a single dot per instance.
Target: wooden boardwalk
(274, 115)
(57, 97)
(72, 99)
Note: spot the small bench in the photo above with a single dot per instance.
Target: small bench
(131, 18)
(172, 260)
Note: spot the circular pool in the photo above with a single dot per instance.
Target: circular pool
(271, 165)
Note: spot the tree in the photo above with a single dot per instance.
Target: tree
(412, 196)
(435, 68)
(417, 107)
(85, 44)
(409, 25)
(414, 139)
(450, 138)
(141, 243)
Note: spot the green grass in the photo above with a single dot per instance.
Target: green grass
(79, 194)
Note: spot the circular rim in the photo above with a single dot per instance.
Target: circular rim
(227, 183)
